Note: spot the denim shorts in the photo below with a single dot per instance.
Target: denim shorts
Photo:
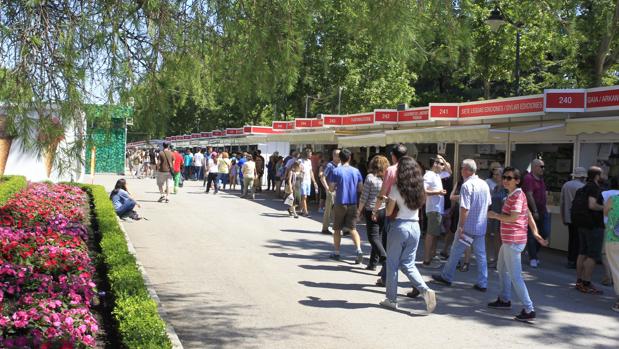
(306, 188)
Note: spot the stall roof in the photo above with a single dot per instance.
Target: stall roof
(367, 140)
(575, 127)
(318, 137)
(439, 134)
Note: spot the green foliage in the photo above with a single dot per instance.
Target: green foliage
(9, 186)
(136, 313)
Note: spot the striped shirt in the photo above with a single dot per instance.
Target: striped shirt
(515, 232)
(475, 197)
(371, 188)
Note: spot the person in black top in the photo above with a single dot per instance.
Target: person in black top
(591, 236)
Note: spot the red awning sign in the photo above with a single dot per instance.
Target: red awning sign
(603, 98)
(507, 107)
(332, 120)
(386, 116)
(572, 100)
(444, 111)
(307, 123)
(283, 125)
(358, 119)
(414, 115)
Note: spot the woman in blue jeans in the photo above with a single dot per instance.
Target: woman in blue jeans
(408, 195)
(123, 203)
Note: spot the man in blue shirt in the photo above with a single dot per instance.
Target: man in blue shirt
(330, 196)
(347, 183)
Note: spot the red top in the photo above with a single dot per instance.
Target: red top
(537, 186)
(515, 232)
(178, 160)
(389, 178)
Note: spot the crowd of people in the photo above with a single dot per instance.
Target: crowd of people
(498, 219)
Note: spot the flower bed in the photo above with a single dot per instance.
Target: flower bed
(46, 286)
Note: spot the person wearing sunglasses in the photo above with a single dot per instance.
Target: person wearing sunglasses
(435, 204)
(515, 217)
(534, 187)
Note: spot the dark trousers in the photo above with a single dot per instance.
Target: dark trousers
(187, 173)
(573, 243)
(375, 236)
(211, 178)
(532, 245)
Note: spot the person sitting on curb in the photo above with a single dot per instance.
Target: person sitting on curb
(123, 203)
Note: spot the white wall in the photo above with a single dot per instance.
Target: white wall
(267, 149)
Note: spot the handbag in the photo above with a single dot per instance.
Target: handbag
(289, 200)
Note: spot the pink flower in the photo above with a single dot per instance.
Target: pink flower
(68, 320)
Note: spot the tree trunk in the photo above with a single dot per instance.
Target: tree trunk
(602, 59)
(486, 89)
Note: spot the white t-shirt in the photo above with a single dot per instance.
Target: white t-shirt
(197, 159)
(607, 195)
(306, 169)
(432, 181)
(403, 211)
(212, 166)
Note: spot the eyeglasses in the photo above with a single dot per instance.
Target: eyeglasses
(508, 178)
(440, 163)
(541, 166)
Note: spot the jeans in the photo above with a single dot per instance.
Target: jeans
(222, 180)
(375, 236)
(532, 245)
(126, 208)
(457, 249)
(509, 268)
(197, 173)
(211, 179)
(327, 216)
(401, 252)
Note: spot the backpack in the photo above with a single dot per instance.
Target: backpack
(580, 213)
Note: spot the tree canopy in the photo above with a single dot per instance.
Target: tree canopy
(196, 65)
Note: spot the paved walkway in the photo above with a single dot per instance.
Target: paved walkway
(236, 273)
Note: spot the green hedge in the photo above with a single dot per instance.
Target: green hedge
(139, 324)
(11, 185)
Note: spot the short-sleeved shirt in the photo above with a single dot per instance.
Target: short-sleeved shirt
(432, 182)
(178, 160)
(389, 178)
(346, 179)
(188, 159)
(403, 211)
(568, 192)
(515, 232)
(240, 164)
(537, 186)
(212, 165)
(198, 159)
(328, 169)
(223, 166)
(306, 170)
(165, 160)
(248, 169)
(593, 190)
(371, 189)
(475, 197)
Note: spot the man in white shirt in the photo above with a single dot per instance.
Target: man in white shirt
(435, 203)
(198, 158)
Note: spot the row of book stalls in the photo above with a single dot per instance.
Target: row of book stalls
(566, 128)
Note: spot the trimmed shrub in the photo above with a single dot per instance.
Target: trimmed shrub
(139, 323)
(9, 186)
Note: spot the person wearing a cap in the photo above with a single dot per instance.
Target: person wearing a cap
(568, 192)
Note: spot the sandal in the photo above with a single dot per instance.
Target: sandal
(161, 198)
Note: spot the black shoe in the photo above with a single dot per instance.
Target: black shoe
(414, 293)
(499, 304)
(335, 256)
(444, 256)
(439, 279)
(370, 267)
(326, 232)
(290, 212)
(525, 317)
(479, 288)
(380, 282)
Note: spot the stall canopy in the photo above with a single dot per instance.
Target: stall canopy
(575, 127)
(368, 140)
(439, 134)
(250, 140)
(321, 137)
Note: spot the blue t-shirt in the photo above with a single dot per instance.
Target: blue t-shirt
(346, 179)
(328, 170)
(240, 164)
(188, 159)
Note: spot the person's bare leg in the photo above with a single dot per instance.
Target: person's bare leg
(427, 248)
(588, 266)
(580, 266)
(449, 239)
(356, 239)
(304, 205)
(337, 240)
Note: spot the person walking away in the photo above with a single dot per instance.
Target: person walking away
(346, 182)
(249, 176)
(498, 194)
(146, 163)
(123, 203)
(587, 214)
(606, 195)
(223, 170)
(434, 207)
(198, 159)
(307, 180)
(295, 180)
(187, 163)
(271, 171)
(371, 187)
(568, 191)
(178, 161)
(514, 218)
(212, 173)
(611, 242)
(152, 156)
(535, 189)
(164, 172)
(279, 176)
(474, 203)
(233, 174)
(408, 195)
(260, 165)
(239, 164)
(330, 195)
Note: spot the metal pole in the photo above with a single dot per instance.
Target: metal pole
(517, 61)
(339, 100)
(306, 104)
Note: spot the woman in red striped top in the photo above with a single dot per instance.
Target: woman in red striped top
(514, 219)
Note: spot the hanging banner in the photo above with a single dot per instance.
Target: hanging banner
(307, 123)
(332, 120)
(195, 135)
(283, 125)
(186, 137)
(603, 98)
(259, 130)
(385, 116)
(358, 119)
(567, 100)
(206, 134)
(444, 111)
(218, 133)
(234, 131)
(414, 115)
(500, 108)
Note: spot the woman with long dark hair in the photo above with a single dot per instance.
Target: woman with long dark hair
(123, 203)
(403, 238)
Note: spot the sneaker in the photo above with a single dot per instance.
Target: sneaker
(525, 317)
(414, 293)
(389, 304)
(296, 215)
(438, 278)
(534, 263)
(335, 256)
(499, 304)
(479, 288)
(430, 298)
(326, 232)
(370, 267)
(380, 282)
(444, 256)
(359, 258)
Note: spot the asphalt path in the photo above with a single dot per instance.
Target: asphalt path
(237, 273)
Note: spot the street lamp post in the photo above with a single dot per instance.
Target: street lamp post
(495, 21)
(307, 98)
